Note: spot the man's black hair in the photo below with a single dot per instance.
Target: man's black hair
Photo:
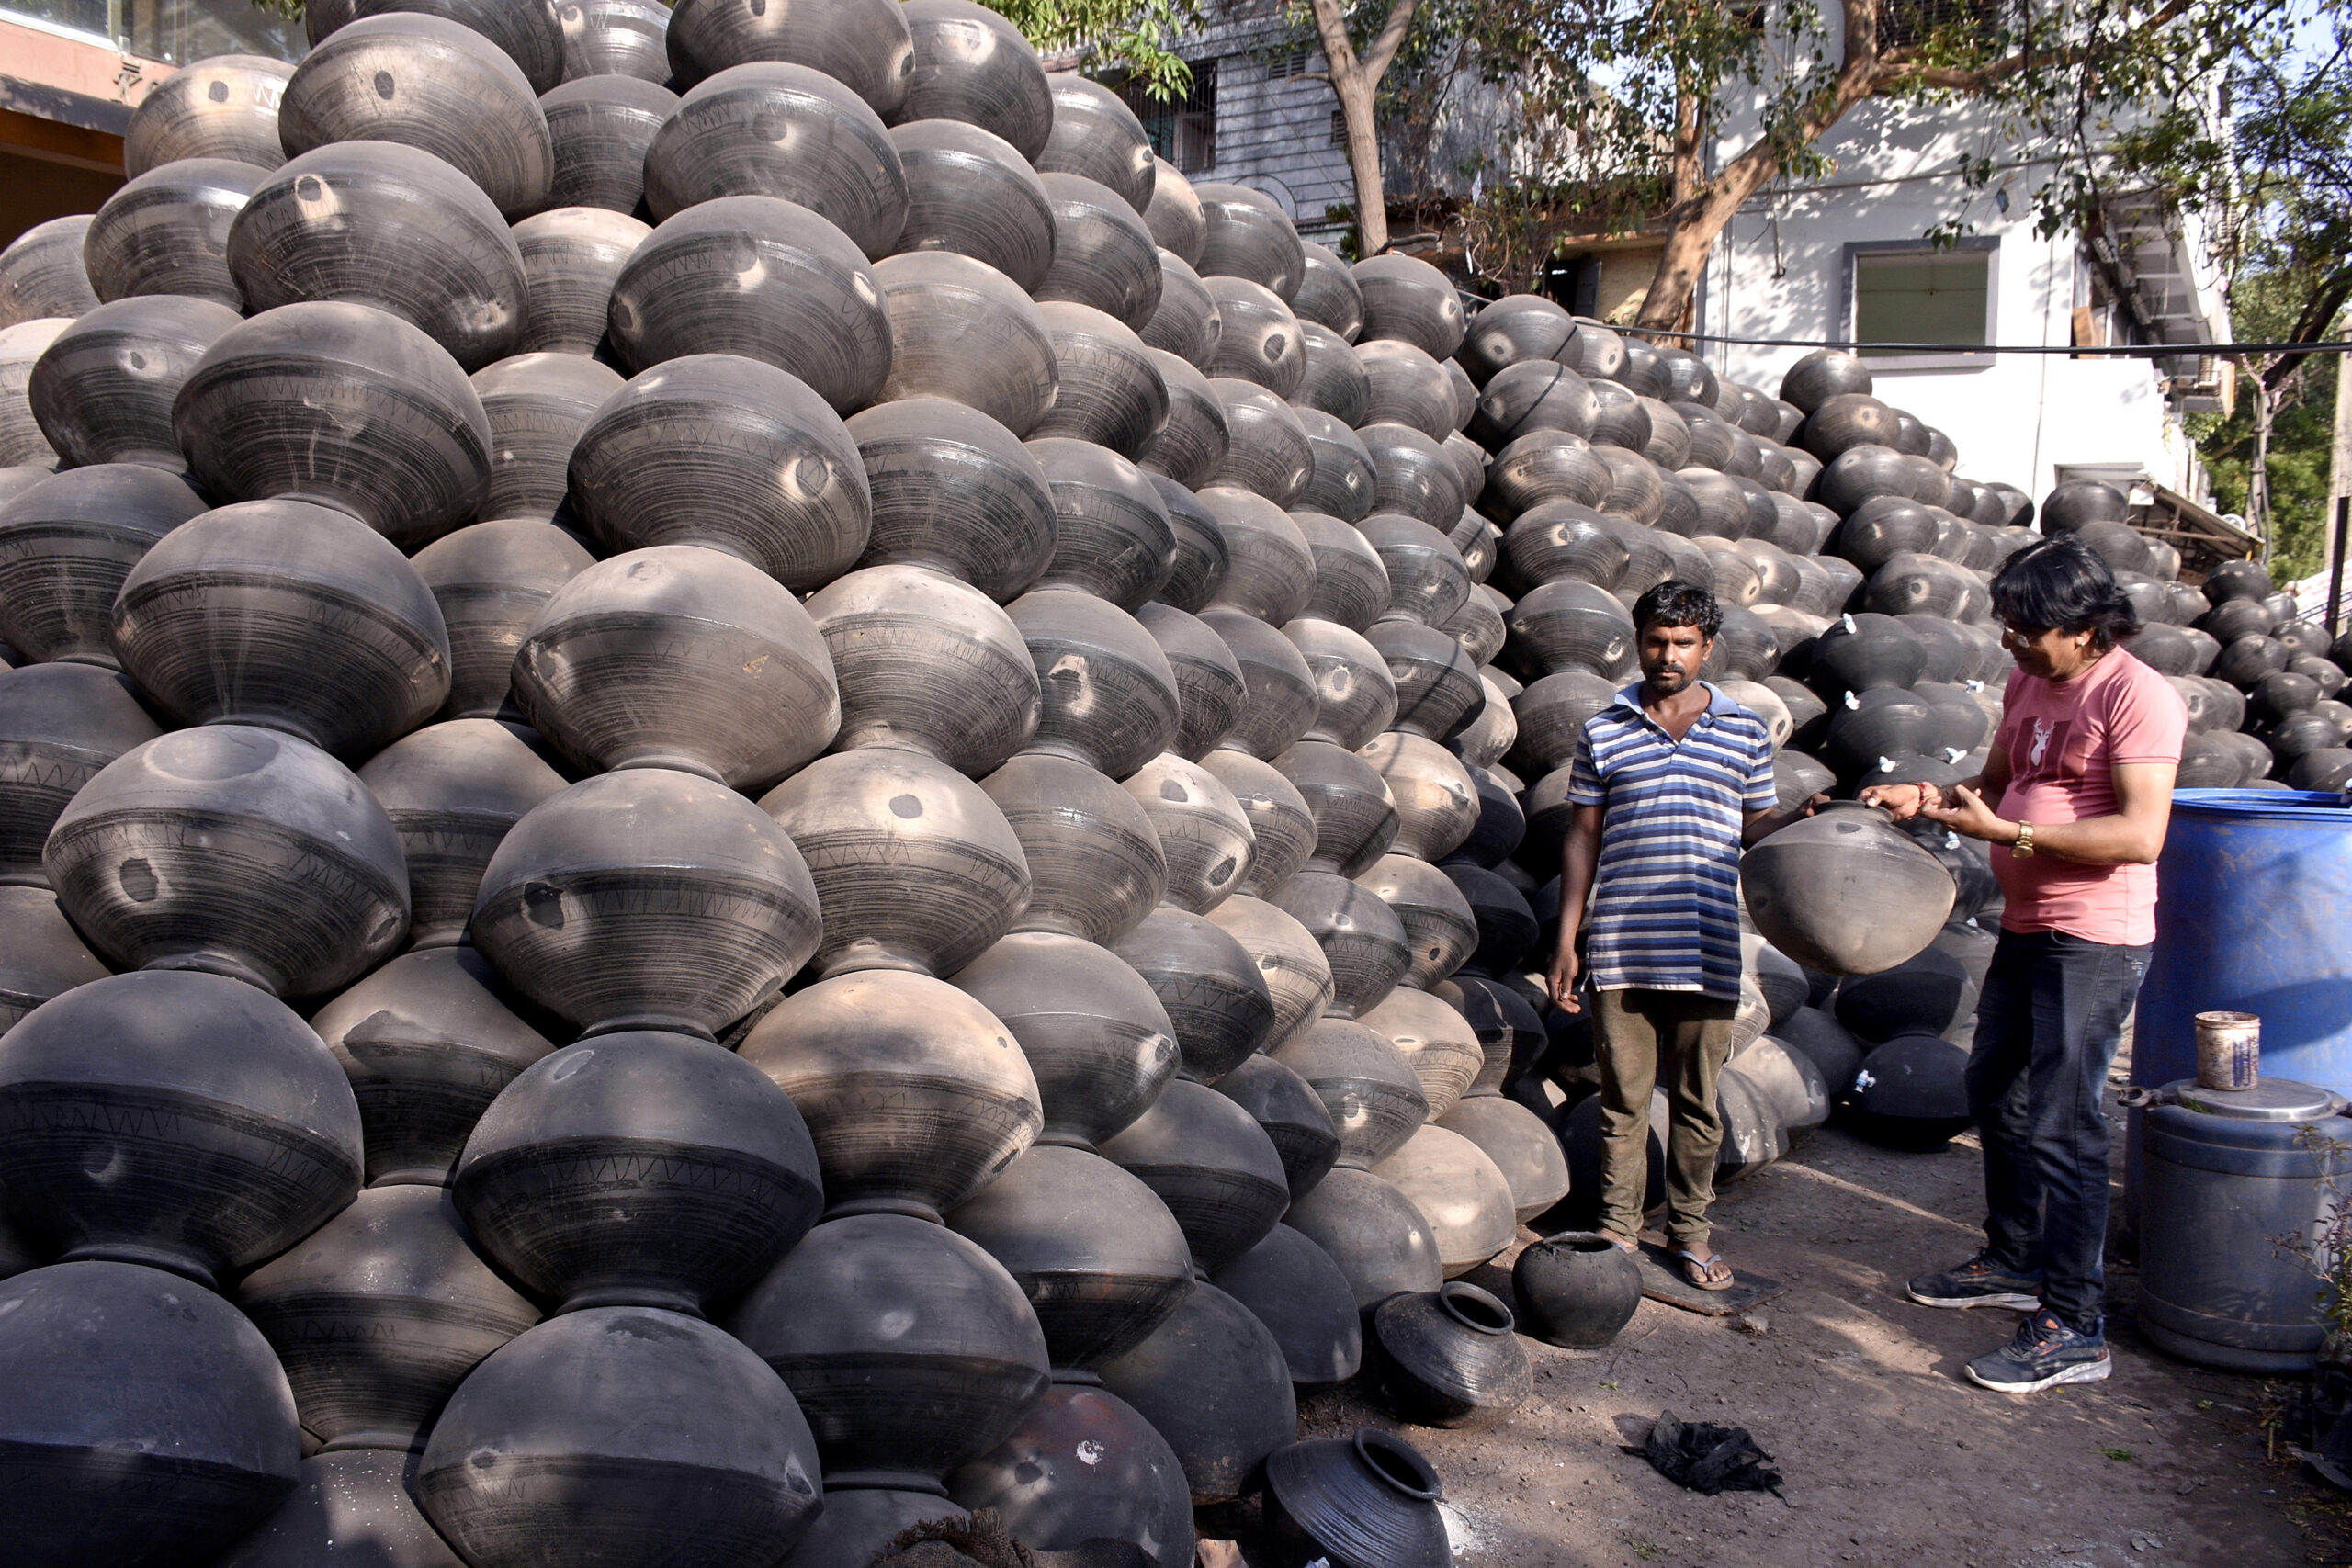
(1678, 602)
(2061, 584)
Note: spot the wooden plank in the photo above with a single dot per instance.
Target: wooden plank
(53, 141)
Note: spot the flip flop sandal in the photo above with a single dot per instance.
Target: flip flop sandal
(1700, 1272)
(1622, 1243)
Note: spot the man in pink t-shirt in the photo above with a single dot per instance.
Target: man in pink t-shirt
(2076, 796)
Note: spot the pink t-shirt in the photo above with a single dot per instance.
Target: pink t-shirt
(2064, 739)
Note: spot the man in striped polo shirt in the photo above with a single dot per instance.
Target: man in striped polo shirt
(1672, 780)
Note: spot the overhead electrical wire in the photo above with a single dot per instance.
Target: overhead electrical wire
(2102, 351)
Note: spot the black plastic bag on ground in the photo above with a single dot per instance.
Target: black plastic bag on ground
(1708, 1458)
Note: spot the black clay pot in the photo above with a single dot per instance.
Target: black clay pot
(1292, 1287)
(1364, 943)
(1516, 328)
(860, 1525)
(1213, 1165)
(1567, 625)
(1096, 134)
(452, 792)
(167, 232)
(1190, 446)
(1103, 255)
(972, 66)
(397, 1272)
(926, 663)
(59, 725)
(66, 543)
(341, 404)
(1823, 375)
(1864, 652)
(1185, 325)
(866, 46)
(225, 107)
(428, 1040)
(1086, 1478)
(1334, 381)
(917, 1096)
(1922, 995)
(1368, 1089)
(150, 893)
(286, 616)
(639, 1169)
(22, 445)
(1341, 489)
(1437, 682)
(537, 405)
(1246, 234)
(1328, 294)
(1577, 1289)
(1354, 814)
(1110, 694)
(1291, 1114)
(1844, 893)
(215, 1131)
(490, 580)
(1437, 802)
(1211, 691)
(1282, 828)
(146, 1421)
(620, 1433)
(954, 490)
(1267, 451)
(1271, 569)
(1095, 1249)
(1369, 1502)
(42, 956)
(1357, 696)
(1847, 420)
(1217, 1002)
(1910, 1093)
(600, 127)
(1110, 392)
(1212, 1382)
(1113, 537)
(1297, 975)
(909, 1348)
(1459, 1192)
(1096, 1038)
(1521, 1147)
(647, 899)
(1440, 928)
(1372, 1232)
(353, 1500)
(571, 258)
(1406, 297)
(1095, 864)
(102, 390)
(1201, 828)
(772, 477)
(1281, 701)
(1450, 1357)
(627, 38)
(762, 278)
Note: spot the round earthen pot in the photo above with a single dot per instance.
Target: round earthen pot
(928, 664)
(1213, 1165)
(1095, 1036)
(1282, 828)
(1354, 814)
(1363, 940)
(1217, 1002)
(490, 580)
(1437, 802)
(1110, 695)
(66, 543)
(954, 490)
(1086, 1475)
(350, 1498)
(1576, 1290)
(1844, 893)
(1356, 694)
(1450, 1357)
(1375, 1098)
(1212, 1342)
(1444, 1053)
(1210, 689)
(1281, 701)
(1521, 1147)
(40, 954)
(59, 725)
(1440, 928)
(1292, 1114)
(917, 1096)
(1372, 1232)
(1298, 978)
(452, 791)
(1292, 1287)
(1096, 867)
(1202, 829)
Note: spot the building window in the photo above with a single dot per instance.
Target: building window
(1906, 295)
(1183, 129)
(1287, 63)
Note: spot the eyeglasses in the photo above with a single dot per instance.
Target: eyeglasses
(2011, 632)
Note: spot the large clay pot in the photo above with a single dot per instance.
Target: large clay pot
(1115, 539)
(288, 615)
(1864, 652)
(1248, 235)
(1095, 864)
(1213, 1165)
(1567, 625)
(1210, 689)
(1282, 828)
(348, 1502)
(213, 1132)
(66, 543)
(1185, 325)
(1110, 391)
(341, 404)
(1259, 340)
(1290, 1285)
(1520, 1147)
(1334, 381)
(21, 443)
(762, 278)
(490, 580)
(1440, 930)
(600, 127)
(639, 1169)
(1281, 700)
(167, 232)
(1372, 1232)
(1438, 1042)
(1375, 1099)
(573, 256)
(59, 725)
(1271, 573)
(866, 46)
(1911, 1094)
(1369, 1502)
(537, 405)
(428, 1040)
(954, 490)
(771, 476)
(398, 1273)
(917, 1096)
(1437, 802)
(222, 106)
(909, 1348)
(620, 1434)
(1355, 816)
(862, 1524)
(867, 822)
(1292, 1114)
(43, 278)
(1351, 583)
(41, 956)
(1502, 824)
(1095, 1036)
(679, 658)
(1201, 828)
(1218, 1001)
(1103, 255)
(1844, 893)
(149, 894)
(1408, 388)
(1297, 977)
(647, 899)
(102, 390)
(971, 64)
(1213, 1382)
(147, 1423)
(622, 37)
(1096, 134)
(1174, 214)
(1437, 681)
(925, 663)
(1190, 445)
(1340, 487)
(1086, 1477)
(1095, 1249)
(1110, 694)
(1450, 1357)
(1267, 450)
(1577, 1289)
(321, 227)
(1406, 297)
(452, 791)
(1364, 942)
(772, 128)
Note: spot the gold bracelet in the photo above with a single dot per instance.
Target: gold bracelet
(2023, 848)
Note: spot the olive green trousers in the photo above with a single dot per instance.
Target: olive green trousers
(1678, 1042)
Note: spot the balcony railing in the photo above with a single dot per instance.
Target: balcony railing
(174, 31)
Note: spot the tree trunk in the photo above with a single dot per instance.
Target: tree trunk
(1356, 82)
(2257, 468)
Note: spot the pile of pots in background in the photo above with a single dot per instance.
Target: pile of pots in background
(750, 792)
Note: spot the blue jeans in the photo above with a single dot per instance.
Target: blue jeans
(2047, 1026)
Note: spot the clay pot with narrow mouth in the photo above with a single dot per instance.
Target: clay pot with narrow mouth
(917, 1096)
(67, 541)
(1438, 1042)
(102, 390)
(1096, 1038)
(1282, 828)
(60, 724)
(1363, 942)
(679, 658)
(623, 1432)
(223, 107)
(147, 1422)
(397, 1272)
(1212, 1382)
(1210, 1162)
(909, 1348)
(1520, 1144)
(647, 899)
(572, 256)
(1095, 1250)
(1297, 977)
(1367, 1086)
(213, 1132)
(1290, 1285)
(452, 791)
(1218, 1001)
(1437, 803)
(1202, 829)
(1209, 684)
(1110, 695)
(639, 1169)
(1087, 1479)
(1096, 867)
(148, 892)
(1354, 814)
(1281, 700)
(1291, 1114)
(490, 580)
(1113, 537)
(954, 490)
(1440, 928)
(865, 821)
(971, 64)
(1845, 893)
(1185, 324)
(1267, 450)
(926, 663)
(1372, 1232)
(286, 616)
(1450, 1357)
(1192, 443)
(1577, 1289)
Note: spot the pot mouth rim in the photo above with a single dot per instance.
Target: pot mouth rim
(1477, 1309)
(1592, 1242)
(1398, 1464)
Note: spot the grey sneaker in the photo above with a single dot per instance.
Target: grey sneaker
(1979, 1282)
(2045, 1352)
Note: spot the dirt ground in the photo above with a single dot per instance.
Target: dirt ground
(1890, 1456)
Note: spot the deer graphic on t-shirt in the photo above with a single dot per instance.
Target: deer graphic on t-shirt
(2043, 730)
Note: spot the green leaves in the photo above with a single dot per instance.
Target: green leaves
(1136, 36)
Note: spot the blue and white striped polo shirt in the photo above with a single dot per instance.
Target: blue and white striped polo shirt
(1666, 900)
